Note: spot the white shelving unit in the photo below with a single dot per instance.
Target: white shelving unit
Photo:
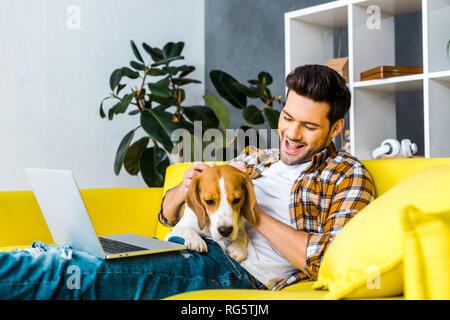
(309, 40)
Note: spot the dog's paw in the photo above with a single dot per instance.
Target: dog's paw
(196, 243)
(237, 252)
(192, 239)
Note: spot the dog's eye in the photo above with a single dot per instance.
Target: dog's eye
(210, 202)
(236, 200)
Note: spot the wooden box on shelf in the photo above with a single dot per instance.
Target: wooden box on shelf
(382, 72)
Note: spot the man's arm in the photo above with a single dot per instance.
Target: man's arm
(289, 242)
(172, 202)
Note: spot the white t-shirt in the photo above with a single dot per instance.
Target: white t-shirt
(272, 192)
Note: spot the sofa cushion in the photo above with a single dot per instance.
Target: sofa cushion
(365, 258)
(427, 254)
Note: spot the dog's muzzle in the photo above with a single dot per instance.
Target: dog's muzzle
(225, 231)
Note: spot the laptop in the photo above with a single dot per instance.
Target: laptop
(69, 223)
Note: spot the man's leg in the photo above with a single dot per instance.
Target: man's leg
(63, 273)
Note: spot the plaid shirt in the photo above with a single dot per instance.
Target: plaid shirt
(326, 195)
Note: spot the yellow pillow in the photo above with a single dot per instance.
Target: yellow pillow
(365, 259)
(427, 254)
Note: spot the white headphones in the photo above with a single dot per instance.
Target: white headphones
(390, 148)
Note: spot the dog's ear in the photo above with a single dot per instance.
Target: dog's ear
(248, 208)
(193, 201)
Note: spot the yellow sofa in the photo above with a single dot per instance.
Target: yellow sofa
(135, 210)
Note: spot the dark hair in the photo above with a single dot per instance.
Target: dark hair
(321, 84)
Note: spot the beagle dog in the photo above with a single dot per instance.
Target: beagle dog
(217, 201)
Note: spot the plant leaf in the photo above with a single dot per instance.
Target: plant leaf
(120, 87)
(112, 110)
(133, 154)
(265, 78)
(102, 113)
(202, 113)
(136, 51)
(167, 61)
(224, 84)
(160, 89)
(160, 125)
(170, 70)
(253, 115)
(137, 65)
(250, 92)
(123, 147)
(219, 109)
(171, 49)
(123, 105)
(272, 117)
(183, 81)
(155, 53)
(186, 70)
(127, 72)
(164, 101)
(153, 164)
(156, 72)
(115, 78)
(134, 112)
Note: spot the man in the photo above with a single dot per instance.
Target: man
(305, 193)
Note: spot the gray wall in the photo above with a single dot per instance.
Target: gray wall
(409, 105)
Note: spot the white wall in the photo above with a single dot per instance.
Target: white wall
(52, 80)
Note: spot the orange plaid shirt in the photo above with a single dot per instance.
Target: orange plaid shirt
(325, 196)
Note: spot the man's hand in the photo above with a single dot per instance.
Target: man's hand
(191, 173)
(175, 198)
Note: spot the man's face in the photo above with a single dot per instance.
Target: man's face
(304, 129)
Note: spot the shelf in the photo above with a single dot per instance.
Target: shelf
(393, 8)
(441, 75)
(395, 84)
(414, 106)
(330, 15)
(309, 33)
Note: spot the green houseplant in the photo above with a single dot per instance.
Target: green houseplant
(159, 104)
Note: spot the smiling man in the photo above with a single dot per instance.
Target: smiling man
(306, 191)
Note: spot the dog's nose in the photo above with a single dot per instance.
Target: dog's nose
(225, 231)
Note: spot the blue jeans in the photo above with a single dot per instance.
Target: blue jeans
(59, 272)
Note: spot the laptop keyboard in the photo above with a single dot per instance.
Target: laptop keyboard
(114, 246)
